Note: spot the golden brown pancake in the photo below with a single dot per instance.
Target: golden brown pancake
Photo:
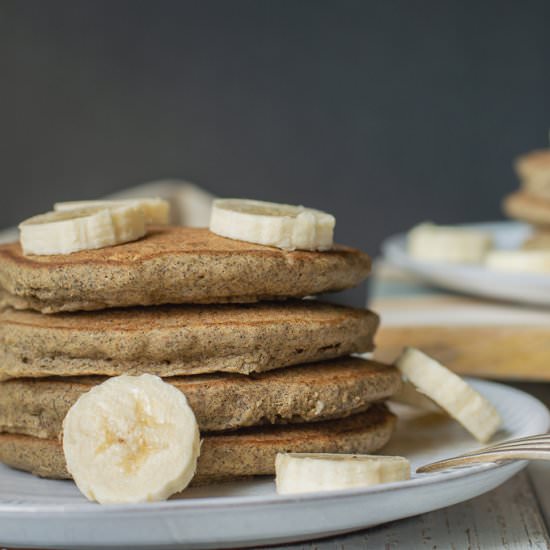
(173, 265)
(247, 452)
(533, 169)
(180, 340)
(317, 391)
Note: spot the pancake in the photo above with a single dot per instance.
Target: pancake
(528, 208)
(332, 389)
(173, 265)
(180, 340)
(533, 169)
(248, 452)
(540, 240)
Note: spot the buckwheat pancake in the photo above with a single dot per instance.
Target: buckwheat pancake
(313, 392)
(173, 265)
(247, 452)
(180, 340)
(528, 208)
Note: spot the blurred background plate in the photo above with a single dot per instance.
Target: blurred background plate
(477, 280)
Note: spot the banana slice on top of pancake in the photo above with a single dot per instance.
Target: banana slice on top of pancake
(88, 225)
(280, 225)
(155, 210)
(74, 230)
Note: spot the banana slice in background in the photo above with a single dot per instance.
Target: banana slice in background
(521, 261)
(74, 230)
(305, 472)
(155, 210)
(440, 243)
(131, 439)
(450, 392)
(279, 225)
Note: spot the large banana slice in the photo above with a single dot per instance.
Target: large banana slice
(280, 225)
(131, 439)
(523, 261)
(451, 393)
(155, 210)
(74, 230)
(438, 243)
(304, 473)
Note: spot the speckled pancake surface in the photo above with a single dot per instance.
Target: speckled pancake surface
(181, 340)
(247, 452)
(316, 391)
(173, 265)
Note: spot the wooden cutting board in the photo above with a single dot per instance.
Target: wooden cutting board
(473, 337)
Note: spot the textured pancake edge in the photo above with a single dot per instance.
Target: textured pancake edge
(305, 393)
(173, 265)
(248, 342)
(250, 452)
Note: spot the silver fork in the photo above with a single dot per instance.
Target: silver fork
(534, 447)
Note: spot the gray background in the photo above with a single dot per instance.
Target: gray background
(383, 113)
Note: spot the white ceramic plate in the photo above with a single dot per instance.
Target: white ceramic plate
(46, 513)
(476, 279)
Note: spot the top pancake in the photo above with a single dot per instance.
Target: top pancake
(173, 265)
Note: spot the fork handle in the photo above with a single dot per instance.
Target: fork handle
(488, 456)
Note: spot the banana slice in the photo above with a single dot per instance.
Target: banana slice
(74, 230)
(522, 261)
(451, 393)
(280, 225)
(131, 439)
(409, 395)
(438, 243)
(155, 210)
(304, 472)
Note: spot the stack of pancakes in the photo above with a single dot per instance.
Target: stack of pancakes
(207, 314)
(531, 203)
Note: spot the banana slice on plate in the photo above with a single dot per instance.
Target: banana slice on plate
(131, 439)
(279, 225)
(155, 210)
(305, 472)
(450, 392)
(521, 261)
(87, 228)
(409, 395)
(439, 243)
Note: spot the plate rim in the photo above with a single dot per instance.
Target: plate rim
(394, 250)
